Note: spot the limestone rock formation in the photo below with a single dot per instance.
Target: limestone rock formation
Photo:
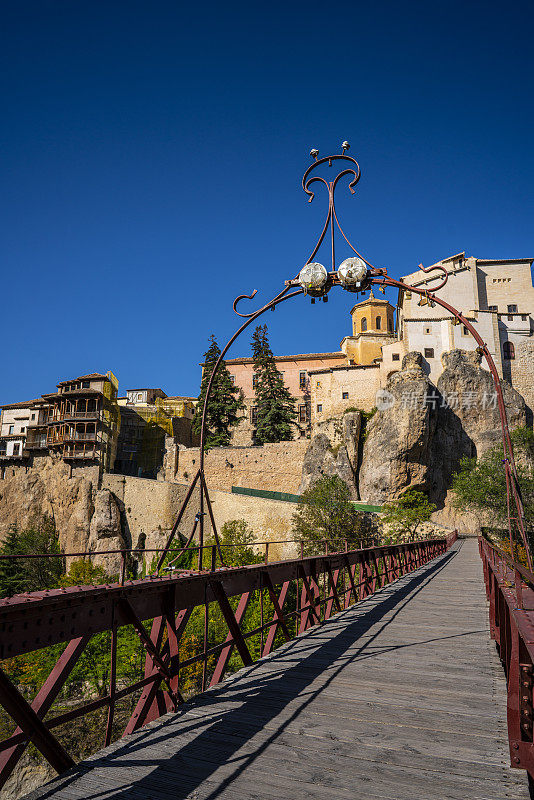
(29, 774)
(47, 489)
(333, 450)
(413, 444)
(352, 424)
(105, 531)
(469, 401)
(468, 424)
(396, 454)
(468, 416)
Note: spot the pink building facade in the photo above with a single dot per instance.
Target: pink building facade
(295, 369)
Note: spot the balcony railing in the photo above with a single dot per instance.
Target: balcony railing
(75, 415)
(93, 453)
(36, 444)
(510, 595)
(82, 414)
(73, 436)
(89, 436)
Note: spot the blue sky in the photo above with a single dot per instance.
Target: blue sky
(152, 152)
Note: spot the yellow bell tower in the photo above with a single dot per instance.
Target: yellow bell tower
(372, 327)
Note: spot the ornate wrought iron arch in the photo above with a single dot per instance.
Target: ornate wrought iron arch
(376, 276)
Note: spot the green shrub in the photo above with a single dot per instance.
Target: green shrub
(327, 513)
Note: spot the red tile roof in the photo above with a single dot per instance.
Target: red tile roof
(24, 404)
(93, 376)
(298, 357)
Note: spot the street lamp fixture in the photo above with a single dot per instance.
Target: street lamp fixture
(351, 273)
(313, 278)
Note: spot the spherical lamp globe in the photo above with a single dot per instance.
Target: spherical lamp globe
(352, 272)
(313, 279)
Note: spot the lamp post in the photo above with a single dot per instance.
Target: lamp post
(354, 274)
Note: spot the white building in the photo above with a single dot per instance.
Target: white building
(15, 419)
(143, 396)
(497, 296)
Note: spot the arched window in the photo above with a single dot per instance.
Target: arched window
(508, 351)
(364, 323)
(378, 323)
(390, 324)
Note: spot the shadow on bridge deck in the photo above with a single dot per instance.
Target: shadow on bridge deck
(401, 696)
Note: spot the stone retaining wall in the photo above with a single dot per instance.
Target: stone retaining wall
(149, 509)
(276, 467)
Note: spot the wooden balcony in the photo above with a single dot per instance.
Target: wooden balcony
(73, 436)
(68, 415)
(81, 436)
(36, 443)
(75, 453)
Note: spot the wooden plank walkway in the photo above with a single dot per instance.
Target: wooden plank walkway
(401, 697)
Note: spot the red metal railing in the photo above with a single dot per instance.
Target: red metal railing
(324, 585)
(510, 593)
(208, 553)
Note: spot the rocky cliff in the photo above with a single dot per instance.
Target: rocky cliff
(414, 441)
(333, 450)
(396, 453)
(468, 424)
(468, 416)
(83, 515)
(417, 439)
(419, 434)
(30, 773)
(105, 531)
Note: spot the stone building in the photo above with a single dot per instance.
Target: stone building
(141, 397)
(87, 425)
(325, 384)
(147, 417)
(296, 371)
(496, 295)
(354, 383)
(37, 439)
(373, 326)
(79, 423)
(337, 389)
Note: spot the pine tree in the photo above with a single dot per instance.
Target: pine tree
(12, 571)
(275, 407)
(30, 574)
(225, 401)
(41, 573)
